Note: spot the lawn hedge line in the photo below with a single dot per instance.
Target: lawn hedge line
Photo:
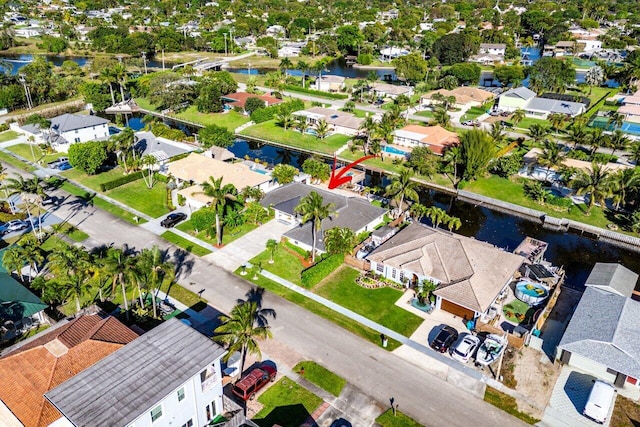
(294, 88)
(313, 275)
(125, 179)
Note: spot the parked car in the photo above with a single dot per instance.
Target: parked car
(365, 250)
(56, 163)
(172, 219)
(247, 387)
(505, 124)
(444, 339)
(14, 225)
(468, 123)
(505, 113)
(464, 349)
(64, 166)
(494, 113)
(600, 401)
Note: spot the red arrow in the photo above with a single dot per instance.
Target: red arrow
(338, 180)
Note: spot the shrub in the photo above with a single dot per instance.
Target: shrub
(506, 166)
(88, 157)
(4, 127)
(181, 200)
(319, 93)
(262, 115)
(560, 202)
(314, 274)
(578, 155)
(604, 158)
(364, 59)
(118, 182)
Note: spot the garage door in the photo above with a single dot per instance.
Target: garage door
(456, 309)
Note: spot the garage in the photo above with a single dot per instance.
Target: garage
(456, 309)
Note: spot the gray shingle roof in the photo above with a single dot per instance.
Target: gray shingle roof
(605, 328)
(69, 122)
(352, 212)
(148, 144)
(612, 277)
(520, 92)
(133, 379)
(555, 106)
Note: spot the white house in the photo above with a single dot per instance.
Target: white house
(498, 49)
(169, 377)
(29, 32)
(339, 121)
(329, 83)
(73, 128)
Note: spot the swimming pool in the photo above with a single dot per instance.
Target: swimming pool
(628, 127)
(393, 150)
(311, 132)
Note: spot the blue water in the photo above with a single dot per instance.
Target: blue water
(135, 123)
(393, 150)
(19, 61)
(531, 292)
(627, 127)
(311, 132)
(260, 171)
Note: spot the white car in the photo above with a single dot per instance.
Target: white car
(463, 350)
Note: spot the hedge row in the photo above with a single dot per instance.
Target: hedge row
(125, 179)
(314, 274)
(299, 89)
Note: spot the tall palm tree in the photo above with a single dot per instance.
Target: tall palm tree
(453, 222)
(578, 135)
(339, 240)
(402, 187)
(14, 260)
(30, 192)
(107, 76)
(301, 124)
(272, 244)
(313, 209)
(322, 129)
(550, 157)
(221, 196)
(285, 119)
(32, 253)
(303, 67)
(517, 116)
(538, 132)
(120, 265)
(368, 126)
(451, 159)
(75, 286)
(156, 270)
(418, 211)
(285, 65)
(441, 117)
(621, 182)
(557, 121)
(67, 259)
(635, 152)
(497, 133)
(597, 139)
(241, 331)
(120, 75)
(595, 183)
(618, 141)
(616, 120)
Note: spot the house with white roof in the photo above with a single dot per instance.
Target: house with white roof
(389, 53)
(339, 121)
(497, 49)
(538, 106)
(329, 83)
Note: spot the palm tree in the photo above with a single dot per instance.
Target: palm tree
(635, 152)
(550, 157)
(30, 192)
(453, 222)
(272, 244)
(285, 65)
(301, 124)
(538, 132)
(107, 76)
(242, 330)
(339, 240)
(595, 183)
(451, 159)
(368, 125)
(618, 141)
(313, 210)
(304, 67)
(418, 211)
(322, 129)
(616, 120)
(75, 286)
(285, 119)
(556, 120)
(349, 106)
(120, 265)
(14, 260)
(120, 75)
(67, 259)
(497, 133)
(156, 270)
(621, 182)
(441, 117)
(517, 116)
(402, 187)
(221, 196)
(32, 253)
(436, 215)
(578, 135)
(594, 77)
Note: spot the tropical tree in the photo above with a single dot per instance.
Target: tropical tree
(497, 133)
(349, 106)
(285, 119)
(436, 215)
(322, 129)
(154, 270)
(30, 192)
(301, 124)
(368, 126)
(119, 264)
(538, 132)
(635, 152)
(402, 187)
(75, 286)
(597, 139)
(594, 77)
(557, 121)
(594, 182)
(453, 222)
(418, 211)
(476, 151)
(283, 173)
(313, 209)
(339, 240)
(451, 159)
(550, 157)
(14, 260)
(304, 67)
(221, 196)
(441, 117)
(285, 65)
(578, 135)
(32, 253)
(272, 245)
(242, 329)
(107, 76)
(148, 164)
(120, 74)
(618, 141)
(621, 182)
(616, 120)
(517, 116)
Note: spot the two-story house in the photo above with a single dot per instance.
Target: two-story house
(69, 129)
(170, 376)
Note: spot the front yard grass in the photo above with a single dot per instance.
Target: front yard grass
(93, 181)
(507, 404)
(387, 419)
(185, 296)
(526, 123)
(320, 310)
(151, 201)
(625, 413)
(228, 234)
(270, 131)
(8, 135)
(24, 151)
(321, 376)
(286, 404)
(473, 113)
(231, 119)
(185, 244)
(285, 264)
(72, 232)
(94, 200)
(9, 159)
(375, 304)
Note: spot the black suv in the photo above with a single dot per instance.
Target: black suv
(444, 339)
(172, 219)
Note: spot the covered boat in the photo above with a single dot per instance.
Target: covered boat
(491, 349)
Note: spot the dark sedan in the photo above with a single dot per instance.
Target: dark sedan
(173, 219)
(444, 339)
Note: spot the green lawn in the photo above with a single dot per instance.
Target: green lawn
(387, 419)
(152, 202)
(507, 404)
(512, 191)
(321, 376)
(96, 201)
(473, 113)
(228, 234)
(528, 121)
(271, 132)
(231, 120)
(24, 151)
(285, 265)
(145, 104)
(72, 232)
(8, 135)
(322, 311)
(425, 113)
(375, 304)
(287, 404)
(185, 296)
(184, 243)
(93, 181)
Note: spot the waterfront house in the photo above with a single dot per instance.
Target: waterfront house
(469, 274)
(532, 169)
(515, 99)
(390, 53)
(497, 49)
(170, 376)
(162, 149)
(386, 90)
(31, 368)
(68, 129)
(465, 97)
(195, 169)
(355, 213)
(540, 106)
(436, 138)
(329, 83)
(603, 336)
(339, 121)
(239, 100)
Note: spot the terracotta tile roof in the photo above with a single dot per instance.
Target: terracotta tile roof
(239, 99)
(33, 369)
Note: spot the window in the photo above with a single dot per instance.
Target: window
(156, 413)
(188, 424)
(380, 267)
(393, 273)
(181, 394)
(213, 408)
(401, 277)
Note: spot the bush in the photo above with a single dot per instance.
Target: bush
(313, 275)
(364, 59)
(561, 202)
(507, 166)
(578, 155)
(88, 157)
(319, 93)
(118, 182)
(604, 158)
(4, 127)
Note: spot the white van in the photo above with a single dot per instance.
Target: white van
(600, 401)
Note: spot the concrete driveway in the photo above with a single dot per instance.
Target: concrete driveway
(568, 400)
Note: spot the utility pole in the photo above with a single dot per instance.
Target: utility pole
(144, 60)
(162, 59)
(231, 40)
(27, 93)
(225, 44)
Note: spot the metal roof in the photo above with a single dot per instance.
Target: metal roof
(129, 382)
